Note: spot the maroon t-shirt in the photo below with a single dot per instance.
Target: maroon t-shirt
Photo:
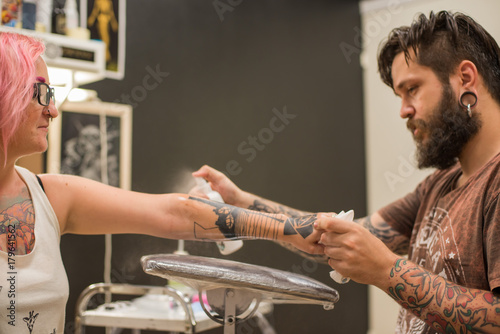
(454, 232)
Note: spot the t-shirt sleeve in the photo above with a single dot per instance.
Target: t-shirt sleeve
(491, 236)
(402, 213)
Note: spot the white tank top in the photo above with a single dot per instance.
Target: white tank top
(34, 287)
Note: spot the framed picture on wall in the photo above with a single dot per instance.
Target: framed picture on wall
(93, 140)
(106, 20)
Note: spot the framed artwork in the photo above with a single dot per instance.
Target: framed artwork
(93, 140)
(106, 20)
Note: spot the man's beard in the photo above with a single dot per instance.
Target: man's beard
(448, 128)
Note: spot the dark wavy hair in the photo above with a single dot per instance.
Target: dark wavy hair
(441, 42)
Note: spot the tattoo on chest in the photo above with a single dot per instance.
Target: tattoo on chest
(17, 224)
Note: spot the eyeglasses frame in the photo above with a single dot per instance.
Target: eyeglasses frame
(50, 93)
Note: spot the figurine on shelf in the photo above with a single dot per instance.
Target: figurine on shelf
(104, 14)
(11, 12)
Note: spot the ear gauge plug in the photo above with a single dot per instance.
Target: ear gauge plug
(334, 275)
(467, 105)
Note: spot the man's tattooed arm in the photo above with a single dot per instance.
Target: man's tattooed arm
(391, 238)
(445, 306)
(262, 205)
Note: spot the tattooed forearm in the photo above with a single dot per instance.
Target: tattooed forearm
(259, 205)
(446, 306)
(396, 242)
(257, 226)
(234, 222)
(303, 225)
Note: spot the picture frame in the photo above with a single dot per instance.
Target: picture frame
(92, 139)
(106, 20)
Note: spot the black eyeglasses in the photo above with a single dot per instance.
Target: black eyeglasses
(44, 93)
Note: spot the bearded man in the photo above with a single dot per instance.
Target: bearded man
(446, 70)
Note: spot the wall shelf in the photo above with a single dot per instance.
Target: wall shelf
(84, 60)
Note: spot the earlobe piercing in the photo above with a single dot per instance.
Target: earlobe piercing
(468, 106)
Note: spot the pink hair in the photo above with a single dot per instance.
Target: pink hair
(18, 54)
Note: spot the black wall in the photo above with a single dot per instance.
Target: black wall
(227, 73)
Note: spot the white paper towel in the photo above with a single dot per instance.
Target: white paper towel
(349, 216)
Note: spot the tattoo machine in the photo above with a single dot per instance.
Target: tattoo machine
(349, 216)
(225, 247)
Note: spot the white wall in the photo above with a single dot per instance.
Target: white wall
(391, 171)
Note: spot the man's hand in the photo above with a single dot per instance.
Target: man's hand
(220, 183)
(353, 251)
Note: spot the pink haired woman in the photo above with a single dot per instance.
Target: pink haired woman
(35, 210)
